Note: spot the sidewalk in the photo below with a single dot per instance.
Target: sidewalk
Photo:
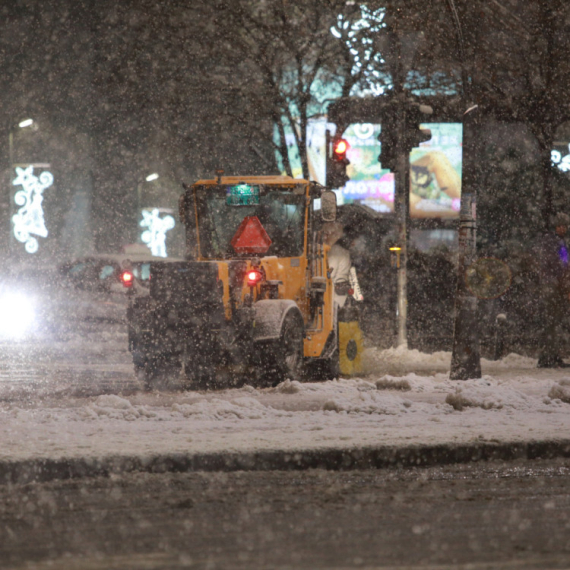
(404, 411)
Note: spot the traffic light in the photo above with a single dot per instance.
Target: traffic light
(336, 162)
(414, 135)
(401, 119)
(388, 139)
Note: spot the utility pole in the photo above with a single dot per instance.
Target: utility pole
(466, 353)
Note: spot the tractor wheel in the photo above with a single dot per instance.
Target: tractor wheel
(159, 372)
(283, 359)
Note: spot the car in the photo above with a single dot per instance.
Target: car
(102, 283)
(104, 273)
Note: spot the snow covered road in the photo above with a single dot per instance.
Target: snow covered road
(79, 399)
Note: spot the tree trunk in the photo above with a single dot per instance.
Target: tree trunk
(546, 171)
(283, 150)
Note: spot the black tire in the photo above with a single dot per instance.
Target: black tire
(159, 373)
(283, 359)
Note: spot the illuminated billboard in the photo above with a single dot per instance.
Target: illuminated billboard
(435, 168)
(435, 172)
(369, 183)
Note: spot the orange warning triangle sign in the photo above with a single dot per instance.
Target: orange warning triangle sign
(251, 237)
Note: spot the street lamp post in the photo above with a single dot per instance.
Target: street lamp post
(22, 125)
(150, 178)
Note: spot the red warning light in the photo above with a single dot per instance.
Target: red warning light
(251, 237)
(127, 278)
(254, 277)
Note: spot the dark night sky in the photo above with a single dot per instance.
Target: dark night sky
(118, 91)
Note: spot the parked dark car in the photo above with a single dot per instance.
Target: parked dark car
(102, 273)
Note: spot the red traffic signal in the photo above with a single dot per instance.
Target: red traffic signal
(336, 162)
(340, 146)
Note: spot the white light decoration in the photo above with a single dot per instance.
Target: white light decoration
(155, 235)
(357, 36)
(29, 220)
(562, 162)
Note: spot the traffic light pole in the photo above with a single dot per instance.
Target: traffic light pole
(401, 207)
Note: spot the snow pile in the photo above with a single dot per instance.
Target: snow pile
(512, 360)
(92, 406)
(486, 394)
(388, 382)
(115, 407)
(335, 387)
(217, 409)
(413, 382)
(363, 396)
(369, 403)
(400, 358)
(289, 387)
(561, 390)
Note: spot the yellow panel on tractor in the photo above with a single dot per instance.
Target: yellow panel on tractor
(351, 346)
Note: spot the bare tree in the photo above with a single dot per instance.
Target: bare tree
(286, 59)
(521, 69)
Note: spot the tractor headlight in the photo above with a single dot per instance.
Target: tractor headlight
(17, 314)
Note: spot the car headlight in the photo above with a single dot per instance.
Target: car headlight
(17, 314)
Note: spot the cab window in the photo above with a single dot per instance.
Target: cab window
(280, 212)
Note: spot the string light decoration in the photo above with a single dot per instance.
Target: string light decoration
(29, 220)
(155, 235)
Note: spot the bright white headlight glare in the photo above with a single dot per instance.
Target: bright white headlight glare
(17, 314)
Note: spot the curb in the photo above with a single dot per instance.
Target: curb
(43, 470)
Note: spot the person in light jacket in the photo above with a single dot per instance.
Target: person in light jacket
(339, 262)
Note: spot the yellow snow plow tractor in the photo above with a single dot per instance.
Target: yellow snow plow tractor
(254, 297)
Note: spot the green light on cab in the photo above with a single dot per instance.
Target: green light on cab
(242, 195)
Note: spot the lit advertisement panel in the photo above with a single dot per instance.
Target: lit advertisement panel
(435, 172)
(369, 183)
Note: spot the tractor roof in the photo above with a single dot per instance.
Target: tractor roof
(265, 180)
